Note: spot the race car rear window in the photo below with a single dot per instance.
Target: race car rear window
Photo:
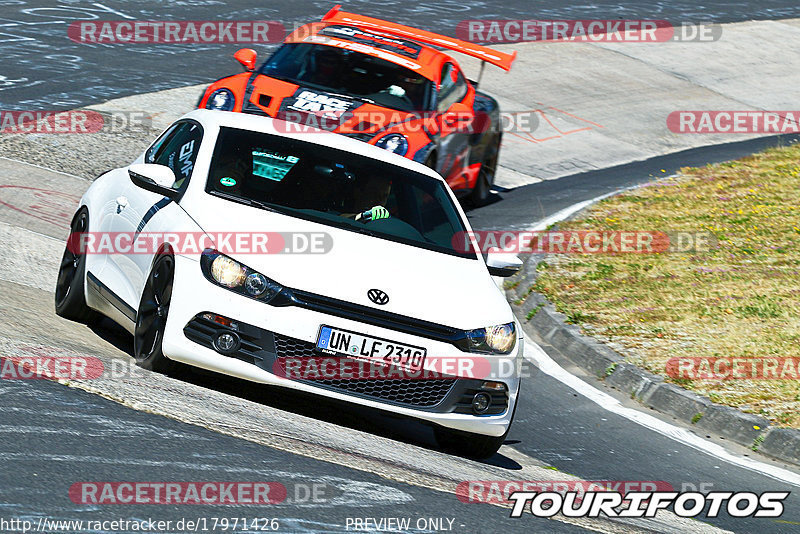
(351, 73)
(335, 188)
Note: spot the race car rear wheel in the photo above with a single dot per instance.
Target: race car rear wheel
(151, 318)
(70, 301)
(480, 193)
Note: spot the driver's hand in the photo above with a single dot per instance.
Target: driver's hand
(373, 214)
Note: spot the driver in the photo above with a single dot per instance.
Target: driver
(370, 200)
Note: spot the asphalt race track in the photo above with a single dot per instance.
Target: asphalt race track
(194, 426)
(43, 69)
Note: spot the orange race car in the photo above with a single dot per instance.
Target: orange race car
(382, 83)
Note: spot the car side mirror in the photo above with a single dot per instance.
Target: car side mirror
(504, 265)
(154, 178)
(458, 114)
(247, 57)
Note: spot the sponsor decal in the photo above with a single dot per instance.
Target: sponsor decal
(227, 181)
(364, 49)
(398, 46)
(320, 104)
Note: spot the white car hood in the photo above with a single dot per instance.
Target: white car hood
(423, 284)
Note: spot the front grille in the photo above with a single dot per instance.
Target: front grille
(423, 392)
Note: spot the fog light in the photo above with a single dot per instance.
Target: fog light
(481, 402)
(227, 342)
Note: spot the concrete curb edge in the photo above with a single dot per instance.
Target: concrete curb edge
(550, 329)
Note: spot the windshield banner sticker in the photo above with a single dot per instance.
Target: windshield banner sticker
(272, 165)
(398, 46)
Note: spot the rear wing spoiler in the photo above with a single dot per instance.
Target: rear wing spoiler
(484, 53)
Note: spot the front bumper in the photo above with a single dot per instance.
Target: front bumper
(277, 332)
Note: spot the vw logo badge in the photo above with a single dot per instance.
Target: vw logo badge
(378, 297)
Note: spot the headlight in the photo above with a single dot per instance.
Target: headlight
(498, 339)
(221, 99)
(394, 142)
(229, 273)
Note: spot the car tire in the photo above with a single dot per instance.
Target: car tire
(430, 161)
(70, 298)
(480, 193)
(151, 317)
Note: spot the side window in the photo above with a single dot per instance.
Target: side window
(178, 149)
(453, 87)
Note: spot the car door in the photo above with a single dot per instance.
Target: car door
(453, 142)
(140, 213)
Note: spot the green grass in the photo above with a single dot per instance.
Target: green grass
(739, 298)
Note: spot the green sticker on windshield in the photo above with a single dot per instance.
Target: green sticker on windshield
(272, 165)
(227, 181)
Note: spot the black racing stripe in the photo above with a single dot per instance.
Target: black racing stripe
(150, 213)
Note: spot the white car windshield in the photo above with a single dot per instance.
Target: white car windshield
(336, 188)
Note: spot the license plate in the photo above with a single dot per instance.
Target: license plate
(338, 342)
